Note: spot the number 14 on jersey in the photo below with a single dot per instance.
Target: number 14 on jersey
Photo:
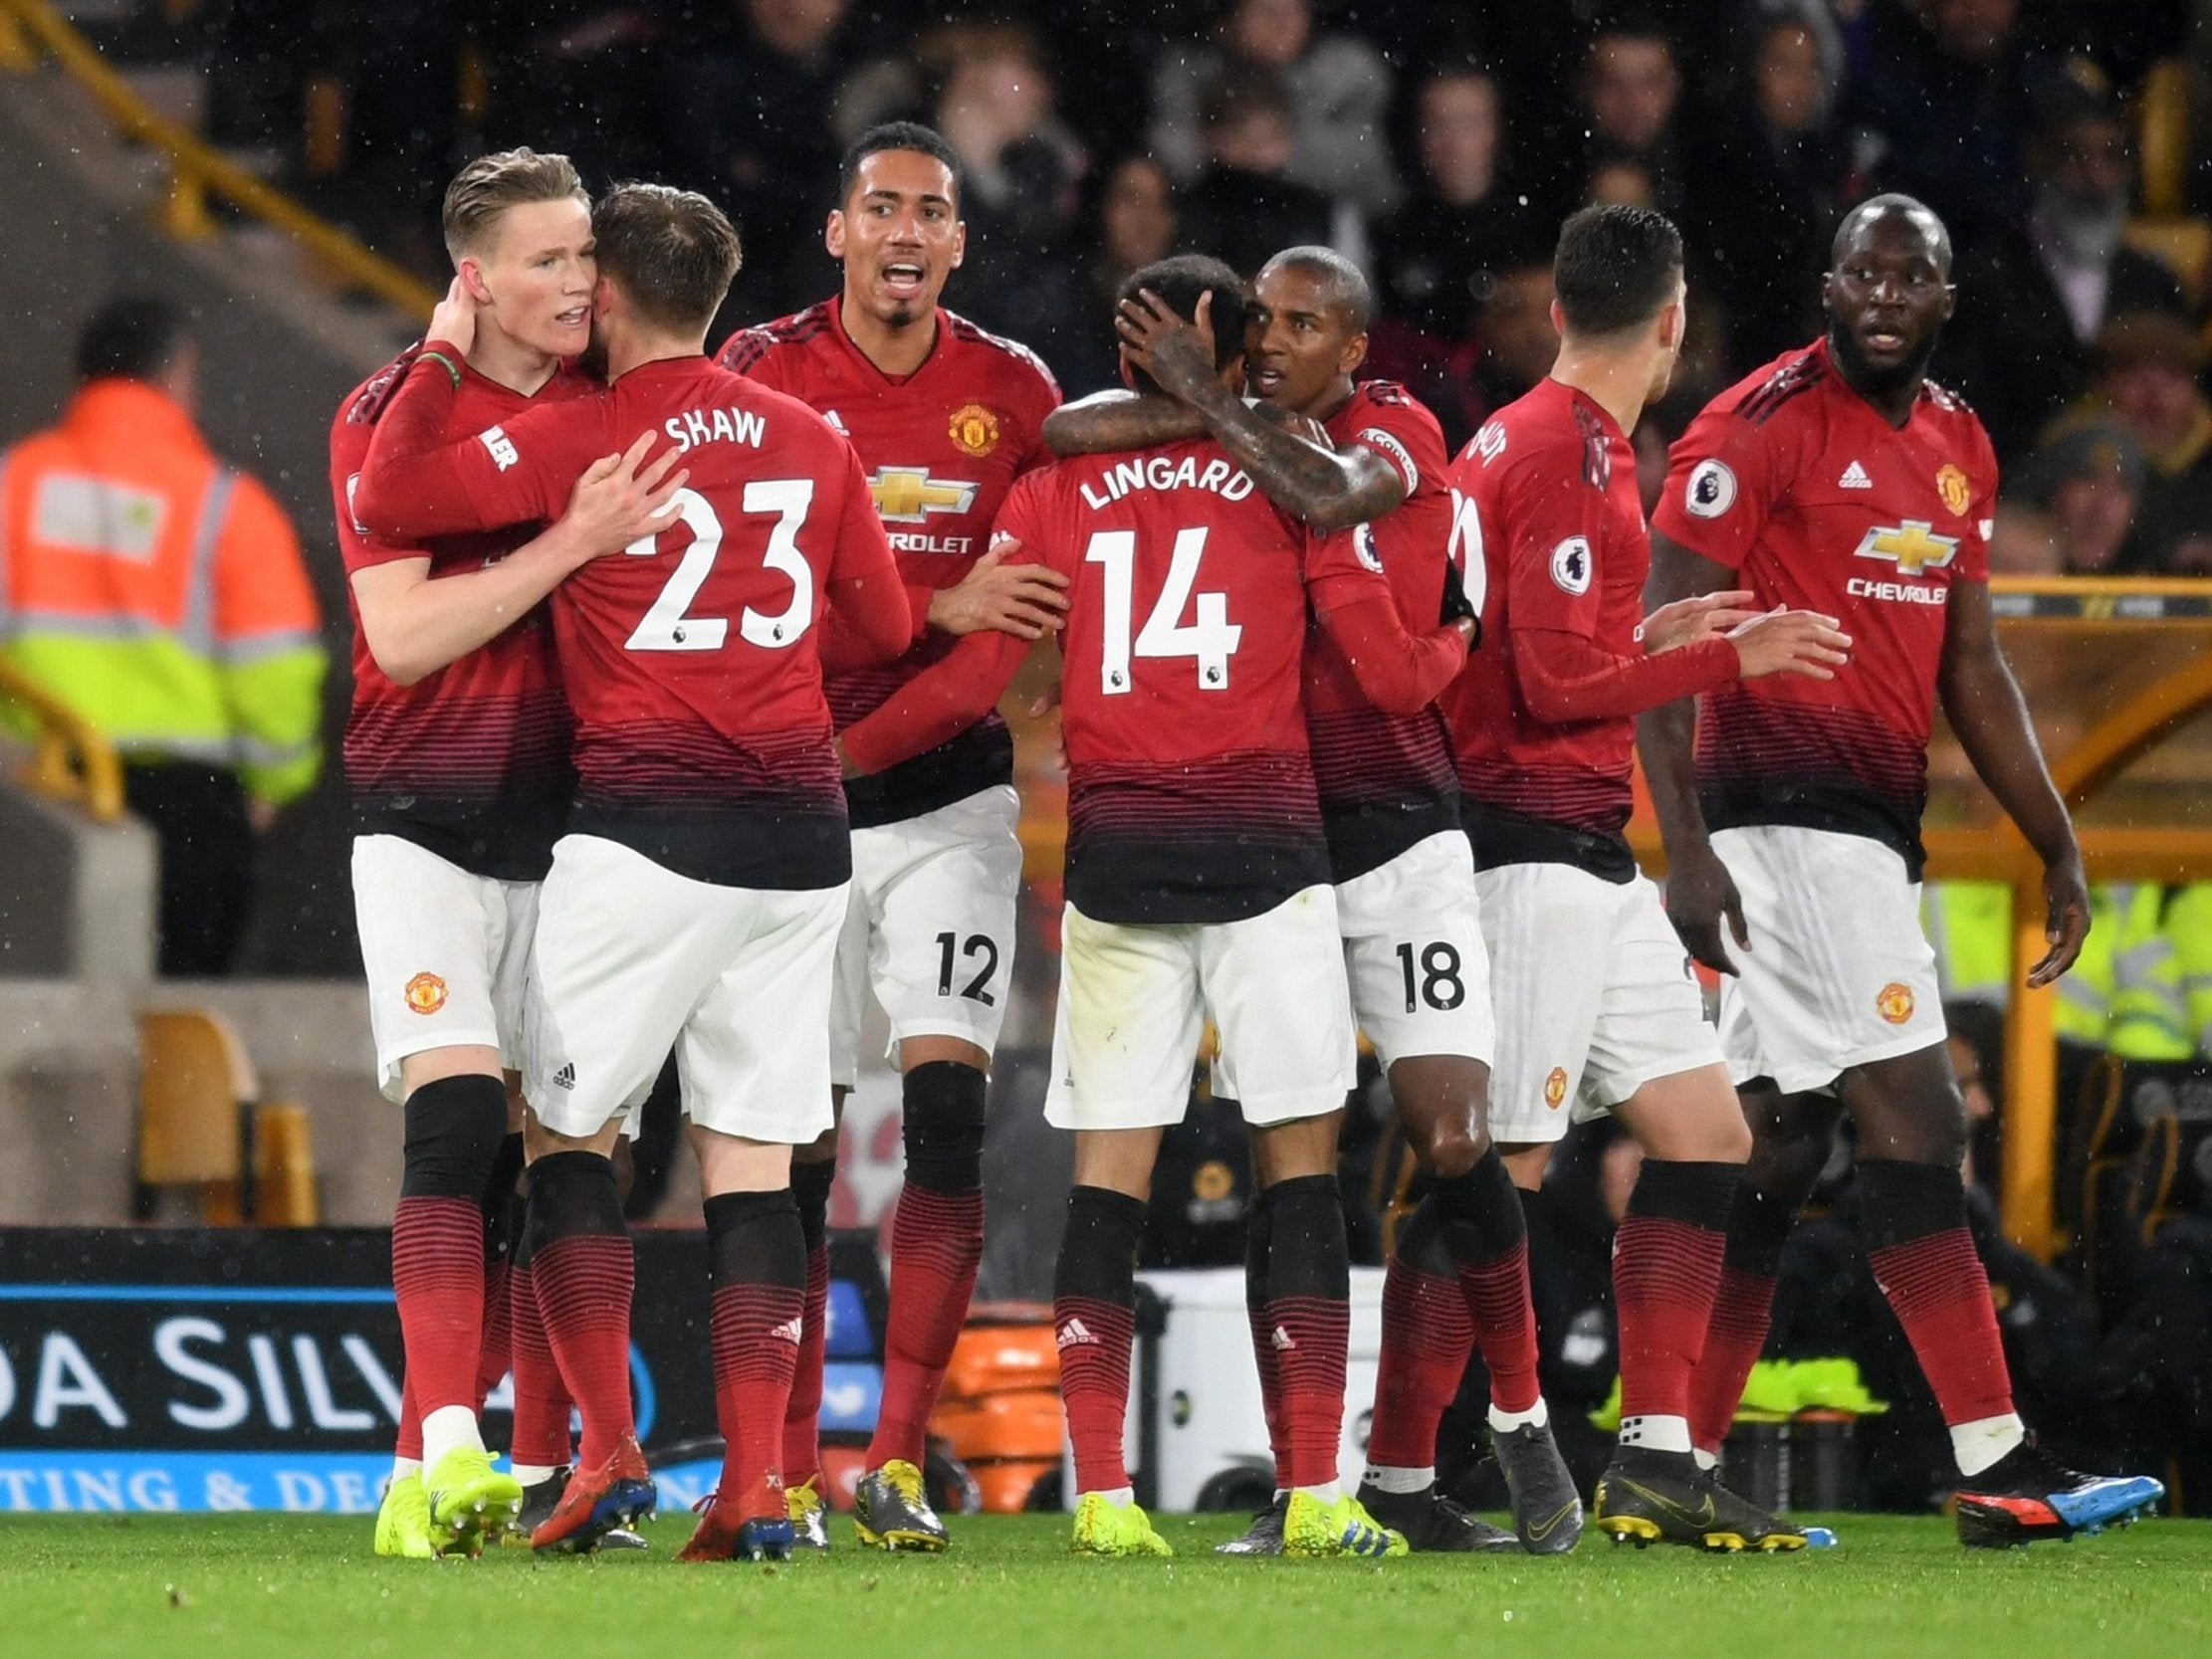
(1211, 637)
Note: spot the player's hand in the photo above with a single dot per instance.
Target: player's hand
(1179, 356)
(1027, 601)
(1456, 606)
(621, 499)
(454, 319)
(2066, 924)
(1686, 621)
(1700, 895)
(1803, 643)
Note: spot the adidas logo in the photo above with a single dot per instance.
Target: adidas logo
(1282, 1341)
(789, 1331)
(1855, 477)
(1074, 1334)
(836, 424)
(566, 1078)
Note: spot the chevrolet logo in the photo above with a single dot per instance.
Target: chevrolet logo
(1909, 545)
(907, 495)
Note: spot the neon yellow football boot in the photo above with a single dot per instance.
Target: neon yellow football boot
(403, 1520)
(1344, 1528)
(1105, 1528)
(471, 1503)
(890, 1510)
(809, 1514)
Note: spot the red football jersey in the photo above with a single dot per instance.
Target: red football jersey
(1553, 510)
(1387, 781)
(1798, 484)
(942, 447)
(702, 737)
(472, 761)
(1190, 797)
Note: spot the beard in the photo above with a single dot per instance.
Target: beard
(1878, 379)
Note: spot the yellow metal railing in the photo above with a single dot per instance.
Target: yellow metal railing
(32, 28)
(72, 761)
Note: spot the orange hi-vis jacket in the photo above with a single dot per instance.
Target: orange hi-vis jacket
(159, 593)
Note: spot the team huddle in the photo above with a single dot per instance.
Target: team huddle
(675, 732)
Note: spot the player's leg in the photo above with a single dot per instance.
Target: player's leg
(755, 1059)
(1275, 986)
(625, 949)
(941, 962)
(427, 934)
(1911, 1127)
(1126, 1036)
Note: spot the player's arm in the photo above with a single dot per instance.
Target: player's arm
(1986, 709)
(1120, 420)
(1398, 671)
(868, 602)
(1309, 479)
(936, 706)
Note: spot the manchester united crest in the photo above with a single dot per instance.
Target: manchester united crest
(975, 429)
(425, 993)
(1555, 1087)
(1895, 1002)
(1951, 485)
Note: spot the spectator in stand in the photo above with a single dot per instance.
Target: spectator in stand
(2040, 291)
(1339, 93)
(159, 595)
(1019, 171)
(2085, 479)
(579, 77)
(2148, 377)
(746, 121)
(1943, 88)
(1768, 183)
(1246, 208)
(1133, 224)
(1631, 89)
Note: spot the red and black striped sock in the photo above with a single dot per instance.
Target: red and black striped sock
(503, 1220)
(1427, 1335)
(454, 1127)
(1309, 1319)
(1486, 1232)
(1924, 1259)
(1094, 1322)
(1665, 1272)
(1758, 1227)
(407, 1442)
(803, 1451)
(1257, 1232)
(757, 1269)
(937, 1244)
(584, 1272)
(540, 1438)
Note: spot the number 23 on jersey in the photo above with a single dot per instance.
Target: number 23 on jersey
(668, 625)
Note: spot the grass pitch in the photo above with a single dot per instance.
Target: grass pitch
(244, 1586)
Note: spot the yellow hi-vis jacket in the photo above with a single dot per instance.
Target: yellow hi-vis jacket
(159, 593)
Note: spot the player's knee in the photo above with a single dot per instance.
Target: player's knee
(1455, 1148)
(453, 1128)
(944, 1126)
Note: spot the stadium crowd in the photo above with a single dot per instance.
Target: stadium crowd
(1435, 145)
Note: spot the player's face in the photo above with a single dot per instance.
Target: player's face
(1888, 298)
(1298, 344)
(899, 234)
(535, 275)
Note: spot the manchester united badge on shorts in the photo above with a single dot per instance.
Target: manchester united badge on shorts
(1895, 1002)
(1555, 1086)
(975, 429)
(1951, 485)
(425, 993)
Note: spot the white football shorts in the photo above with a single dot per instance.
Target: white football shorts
(446, 953)
(1135, 1000)
(929, 928)
(633, 959)
(1594, 994)
(1840, 972)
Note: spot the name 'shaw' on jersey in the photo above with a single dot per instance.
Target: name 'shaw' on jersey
(1799, 485)
(941, 448)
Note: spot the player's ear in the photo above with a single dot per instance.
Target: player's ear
(833, 233)
(1558, 320)
(1354, 354)
(472, 280)
(602, 297)
(960, 242)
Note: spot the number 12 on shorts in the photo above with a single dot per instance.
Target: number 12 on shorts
(1432, 977)
(978, 945)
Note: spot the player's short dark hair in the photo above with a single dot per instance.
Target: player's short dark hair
(672, 251)
(491, 184)
(134, 336)
(890, 136)
(1615, 268)
(1180, 282)
(1349, 289)
(1882, 206)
